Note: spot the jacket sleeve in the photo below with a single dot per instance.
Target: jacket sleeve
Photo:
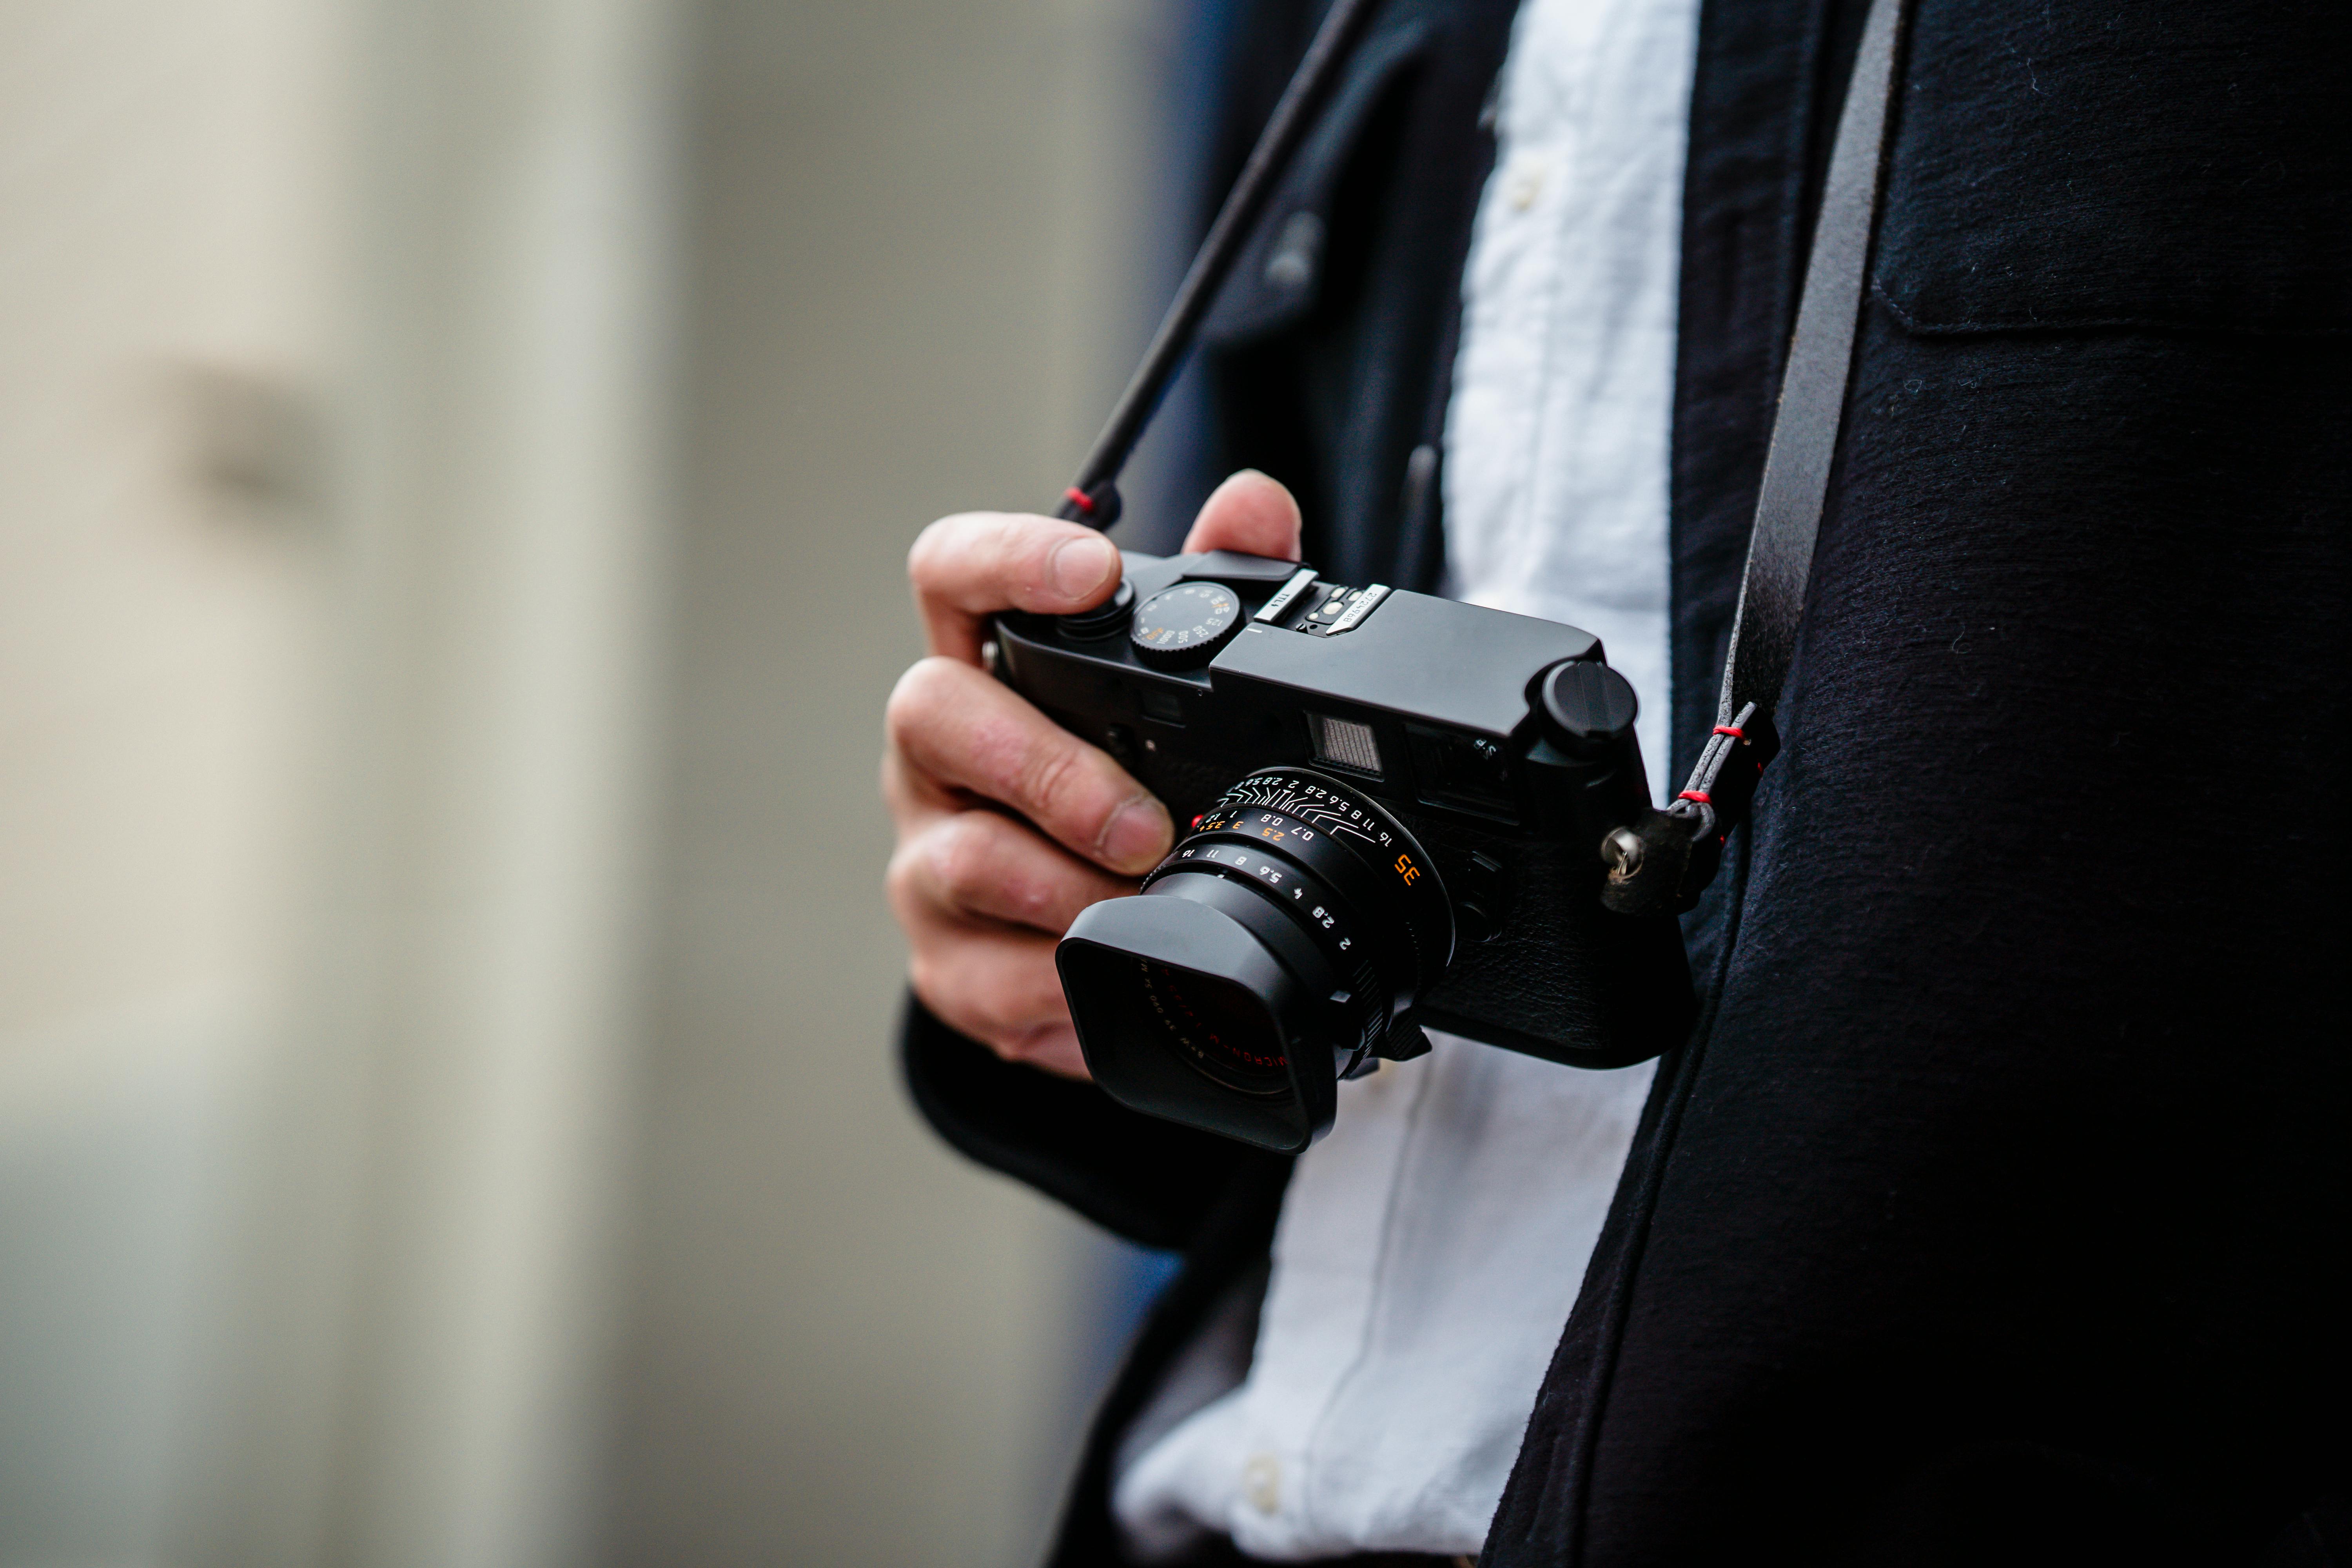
(1149, 1181)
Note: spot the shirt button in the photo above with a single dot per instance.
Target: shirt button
(1525, 185)
(1262, 1482)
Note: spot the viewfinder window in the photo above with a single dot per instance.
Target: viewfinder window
(1460, 772)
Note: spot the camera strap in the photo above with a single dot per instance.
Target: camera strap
(1667, 860)
(1093, 498)
(1663, 862)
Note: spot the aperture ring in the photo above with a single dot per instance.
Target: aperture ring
(1355, 843)
(1312, 909)
(1396, 936)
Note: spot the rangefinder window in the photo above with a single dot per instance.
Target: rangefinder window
(1344, 743)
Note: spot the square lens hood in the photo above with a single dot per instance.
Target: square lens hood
(1128, 1050)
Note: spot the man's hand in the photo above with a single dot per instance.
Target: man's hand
(1009, 824)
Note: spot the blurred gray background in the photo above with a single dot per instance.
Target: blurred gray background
(456, 462)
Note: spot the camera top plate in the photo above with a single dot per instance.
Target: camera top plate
(1413, 655)
(1424, 701)
(1429, 660)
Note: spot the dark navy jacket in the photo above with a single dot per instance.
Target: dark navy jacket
(1997, 1208)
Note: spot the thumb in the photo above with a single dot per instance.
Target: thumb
(1249, 512)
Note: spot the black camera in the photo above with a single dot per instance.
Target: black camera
(1399, 809)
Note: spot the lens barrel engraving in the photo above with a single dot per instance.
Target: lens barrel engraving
(1325, 919)
(1308, 815)
(1345, 875)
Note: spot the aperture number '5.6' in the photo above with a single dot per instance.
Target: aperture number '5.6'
(1256, 866)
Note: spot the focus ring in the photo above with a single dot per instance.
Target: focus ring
(1307, 906)
(1319, 819)
(1386, 935)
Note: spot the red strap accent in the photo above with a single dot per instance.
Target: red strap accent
(1078, 498)
(1731, 730)
(1699, 795)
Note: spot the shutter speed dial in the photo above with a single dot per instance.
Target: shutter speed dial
(1183, 627)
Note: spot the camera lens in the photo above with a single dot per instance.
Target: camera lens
(1263, 959)
(1217, 1028)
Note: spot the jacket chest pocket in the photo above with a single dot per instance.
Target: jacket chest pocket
(2117, 163)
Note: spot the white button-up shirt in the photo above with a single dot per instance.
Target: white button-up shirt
(1430, 1247)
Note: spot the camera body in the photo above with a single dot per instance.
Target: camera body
(1436, 777)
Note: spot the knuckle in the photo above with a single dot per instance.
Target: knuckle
(962, 856)
(899, 880)
(1030, 1046)
(1058, 783)
(927, 557)
(946, 988)
(923, 977)
(1039, 900)
(917, 699)
(1011, 1010)
(1010, 1044)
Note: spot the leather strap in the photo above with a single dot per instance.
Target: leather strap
(1665, 861)
(1093, 498)
(1813, 387)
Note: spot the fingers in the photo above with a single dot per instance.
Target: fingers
(964, 731)
(978, 865)
(967, 567)
(959, 877)
(997, 985)
(1249, 512)
(982, 896)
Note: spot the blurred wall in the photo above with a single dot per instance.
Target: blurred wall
(166, 191)
(421, 1337)
(915, 278)
(457, 459)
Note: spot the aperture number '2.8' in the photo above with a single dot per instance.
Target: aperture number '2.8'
(1266, 872)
